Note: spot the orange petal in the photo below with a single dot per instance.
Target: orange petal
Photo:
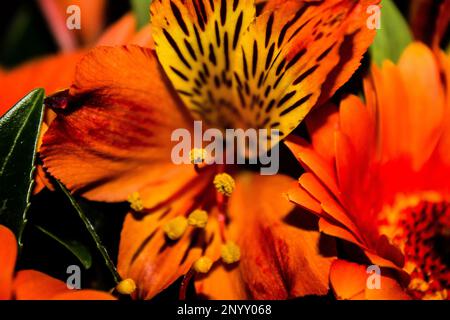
(154, 262)
(420, 71)
(223, 282)
(313, 162)
(8, 254)
(35, 285)
(338, 231)
(279, 258)
(120, 32)
(54, 73)
(335, 211)
(390, 289)
(349, 282)
(92, 17)
(299, 196)
(357, 176)
(83, 295)
(354, 46)
(322, 123)
(407, 126)
(356, 123)
(124, 32)
(118, 141)
(444, 143)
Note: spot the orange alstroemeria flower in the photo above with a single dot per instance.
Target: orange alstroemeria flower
(378, 176)
(31, 284)
(215, 61)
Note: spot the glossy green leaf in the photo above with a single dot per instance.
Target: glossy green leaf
(90, 228)
(394, 35)
(80, 251)
(19, 132)
(141, 10)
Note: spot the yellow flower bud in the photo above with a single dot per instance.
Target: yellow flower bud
(127, 286)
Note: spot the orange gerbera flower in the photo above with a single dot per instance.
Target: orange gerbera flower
(378, 176)
(31, 284)
(220, 62)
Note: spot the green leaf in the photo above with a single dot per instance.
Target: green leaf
(19, 132)
(141, 10)
(394, 35)
(80, 251)
(90, 228)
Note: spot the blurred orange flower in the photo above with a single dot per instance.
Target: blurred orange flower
(56, 72)
(378, 176)
(217, 62)
(31, 284)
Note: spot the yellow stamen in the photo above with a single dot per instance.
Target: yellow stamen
(127, 286)
(198, 218)
(231, 252)
(197, 155)
(224, 184)
(176, 227)
(135, 202)
(203, 264)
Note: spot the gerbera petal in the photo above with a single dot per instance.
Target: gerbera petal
(444, 142)
(314, 187)
(425, 122)
(312, 161)
(408, 127)
(115, 137)
(349, 282)
(322, 123)
(8, 254)
(153, 261)
(338, 231)
(279, 259)
(299, 196)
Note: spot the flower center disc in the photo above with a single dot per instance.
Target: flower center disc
(423, 233)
